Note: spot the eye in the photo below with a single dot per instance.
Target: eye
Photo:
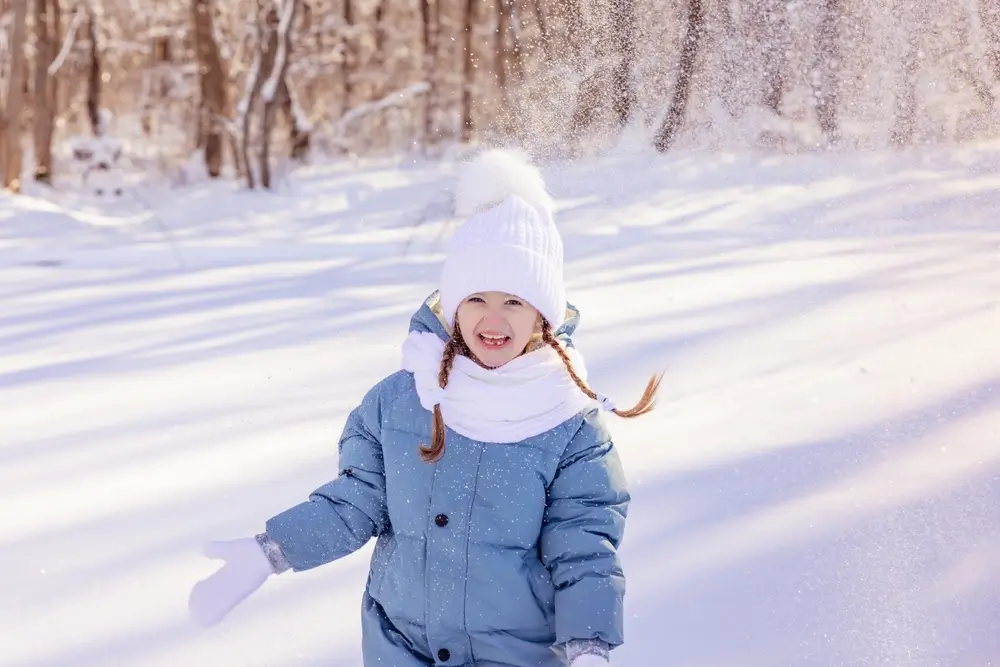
(514, 302)
(475, 299)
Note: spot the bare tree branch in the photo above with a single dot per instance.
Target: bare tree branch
(79, 15)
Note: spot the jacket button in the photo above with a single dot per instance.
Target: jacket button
(444, 655)
(441, 520)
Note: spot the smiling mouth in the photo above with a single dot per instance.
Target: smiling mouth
(493, 341)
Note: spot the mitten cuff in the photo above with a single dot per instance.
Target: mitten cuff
(273, 552)
(577, 647)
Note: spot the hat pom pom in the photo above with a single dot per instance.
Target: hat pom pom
(496, 174)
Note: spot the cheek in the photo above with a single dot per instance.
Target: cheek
(465, 320)
(524, 326)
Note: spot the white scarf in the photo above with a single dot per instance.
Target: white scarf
(523, 398)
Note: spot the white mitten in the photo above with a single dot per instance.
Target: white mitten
(247, 568)
(590, 660)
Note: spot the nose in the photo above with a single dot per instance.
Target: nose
(492, 317)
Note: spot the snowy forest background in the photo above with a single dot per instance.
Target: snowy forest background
(247, 84)
(789, 207)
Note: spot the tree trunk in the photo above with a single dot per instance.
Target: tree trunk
(157, 84)
(623, 31)
(54, 91)
(260, 69)
(589, 100)
(12, 159)
(428, 16)
(468, 71)
(508, 65)
(517, 51)
(771, 24)
(965, 67)
(282, 37)
(511, 22)
(46, 41)
(590, 95)
(685, 74)
(379, 34)
(212, 80)
(349, 54)
(543, 26)
(570, 15)
(299, 129)
(502, 63)
(826, 93)
(904, 123)
(94, 78)
(989, 16)
(501, 66)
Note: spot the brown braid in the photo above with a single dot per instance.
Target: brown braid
(646, 402)
(455, 346)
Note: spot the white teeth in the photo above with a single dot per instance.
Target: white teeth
(494, 340)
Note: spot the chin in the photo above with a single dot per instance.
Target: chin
(492, 362)
(490, 358)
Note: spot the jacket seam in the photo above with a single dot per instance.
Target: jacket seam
(384, 413)
(389, 405)
(573, 433)
(468, 549)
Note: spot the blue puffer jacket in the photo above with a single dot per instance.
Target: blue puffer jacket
(491, 556)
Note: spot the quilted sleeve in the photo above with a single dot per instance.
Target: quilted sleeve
(343, 514)
(582, 530)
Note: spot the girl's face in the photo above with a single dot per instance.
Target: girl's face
(496, 326)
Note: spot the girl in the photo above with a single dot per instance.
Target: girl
(483, 467)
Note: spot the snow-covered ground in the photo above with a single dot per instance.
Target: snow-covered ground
(819, 487)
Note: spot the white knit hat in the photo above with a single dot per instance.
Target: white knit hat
(509, 243)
